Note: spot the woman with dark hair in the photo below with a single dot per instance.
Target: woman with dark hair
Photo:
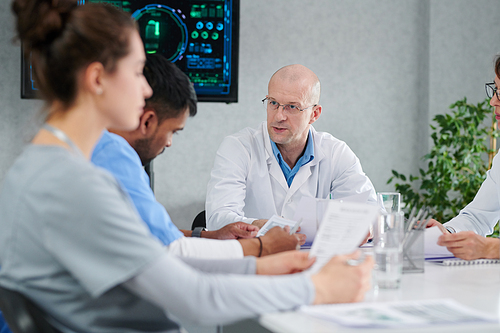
(70, 239)
(464, 235)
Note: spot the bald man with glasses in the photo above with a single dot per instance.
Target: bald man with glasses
(265, 171)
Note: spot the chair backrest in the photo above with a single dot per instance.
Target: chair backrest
(22, 315)
(199, 221)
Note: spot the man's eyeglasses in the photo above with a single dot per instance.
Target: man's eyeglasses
(491, 89)
(271, 105)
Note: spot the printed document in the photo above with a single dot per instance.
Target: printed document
(398, 314)
(311, 210)
(343, 228)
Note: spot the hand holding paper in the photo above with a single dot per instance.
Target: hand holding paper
(432, 249)
(344, 226)
(311, 212)
(276, 221)
(468, 245)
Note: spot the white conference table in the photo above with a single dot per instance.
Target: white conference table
(475, 286)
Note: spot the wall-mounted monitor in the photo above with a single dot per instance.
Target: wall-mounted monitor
(200, 36)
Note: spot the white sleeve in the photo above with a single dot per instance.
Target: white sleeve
(208, 299)
(483, 213)
(206, 248)
(226, 190)
(351, 180)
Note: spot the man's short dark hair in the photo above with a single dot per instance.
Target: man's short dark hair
(172, 89)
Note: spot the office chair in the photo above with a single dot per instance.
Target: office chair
(199, 221)
(22, 315)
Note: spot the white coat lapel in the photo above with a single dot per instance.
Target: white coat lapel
(300, 178)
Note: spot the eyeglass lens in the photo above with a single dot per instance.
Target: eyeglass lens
(491, 89)
(273, 105)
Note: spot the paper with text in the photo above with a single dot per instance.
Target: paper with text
(343, 228)
(398, 314)
(311, 211)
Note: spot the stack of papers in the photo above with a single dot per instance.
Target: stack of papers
(398, 314)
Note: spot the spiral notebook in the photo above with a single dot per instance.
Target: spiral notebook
(461, 262)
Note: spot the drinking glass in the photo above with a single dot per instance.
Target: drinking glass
(391, 201)
(388, 250)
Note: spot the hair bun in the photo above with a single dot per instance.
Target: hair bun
(41, 21)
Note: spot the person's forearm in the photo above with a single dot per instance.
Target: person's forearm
(259, 223)
(206, 248)
(274, 241)
(217, 299)
(204, 234)
(209, 234)
(243, 266)
(187, 233)
(251, 247)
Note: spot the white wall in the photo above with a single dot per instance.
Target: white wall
(386, 66)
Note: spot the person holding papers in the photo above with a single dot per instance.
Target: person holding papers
(70, 238)
(123, 153)
(265, 171)
(464, 235)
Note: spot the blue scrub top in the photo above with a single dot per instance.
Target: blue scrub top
(115, 154)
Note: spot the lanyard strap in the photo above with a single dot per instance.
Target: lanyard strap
(63, 137)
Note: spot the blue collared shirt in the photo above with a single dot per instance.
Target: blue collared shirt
(307, 157)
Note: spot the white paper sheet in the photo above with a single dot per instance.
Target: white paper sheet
(275, 221)
(311, 211)
(342, 229)
(398, 314)
(307, 211)
(432, 250)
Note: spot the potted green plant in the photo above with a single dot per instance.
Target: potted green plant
(464, 144)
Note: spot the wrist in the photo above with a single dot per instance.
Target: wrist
(209, 234)
(493, 248)
(250, 246)
(198, 231)
(260, 246)
(259, 270)
(259, 223)
(318, 299)
(264, 248)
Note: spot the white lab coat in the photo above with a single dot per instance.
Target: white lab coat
(482, 214)
(247, 182)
